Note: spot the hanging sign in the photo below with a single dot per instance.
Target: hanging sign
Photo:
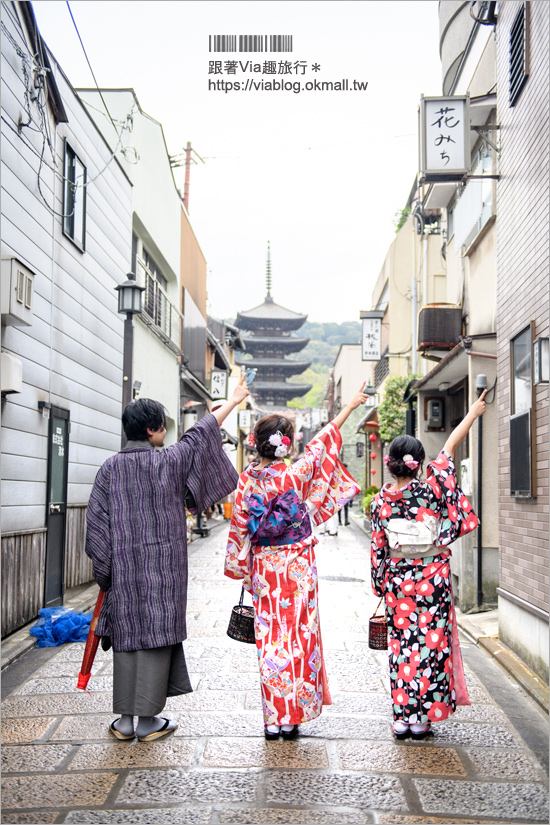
(244, 419)
(218, 384)
(444, 138)
(371, 335)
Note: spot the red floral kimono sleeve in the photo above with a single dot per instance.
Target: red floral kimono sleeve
(319, 477)
(378, 547)
(456, 514)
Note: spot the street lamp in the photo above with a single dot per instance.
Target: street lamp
(129, 302)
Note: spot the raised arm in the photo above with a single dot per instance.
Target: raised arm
(342, 416)
(239, 394)
(461, 431)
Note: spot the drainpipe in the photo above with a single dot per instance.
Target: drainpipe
(481, 384)
(414, 308)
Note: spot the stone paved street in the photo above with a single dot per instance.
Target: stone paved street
(60, 764)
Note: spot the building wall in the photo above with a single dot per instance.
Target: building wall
(193, 264)
(71, 355)
(522, 260)
(157, 223)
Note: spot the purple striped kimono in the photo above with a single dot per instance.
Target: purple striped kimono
(136, 533)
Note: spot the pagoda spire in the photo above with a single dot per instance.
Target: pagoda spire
(268, 297)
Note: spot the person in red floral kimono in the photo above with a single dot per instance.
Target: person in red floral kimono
(271, 548)
(413, 524)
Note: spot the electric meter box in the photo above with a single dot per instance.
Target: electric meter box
(17, 293)
(434, 416)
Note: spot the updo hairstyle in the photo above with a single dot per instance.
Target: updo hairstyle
(269, 425)
(401, 446)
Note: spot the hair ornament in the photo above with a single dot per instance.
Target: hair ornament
(410, 462)
(280, 442)
(386, 459)
(250, 441)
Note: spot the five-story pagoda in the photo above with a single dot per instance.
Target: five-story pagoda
(269, 337)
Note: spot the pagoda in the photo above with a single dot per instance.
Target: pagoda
(269, 336)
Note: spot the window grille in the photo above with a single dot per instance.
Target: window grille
(381, 369)
(519, 52)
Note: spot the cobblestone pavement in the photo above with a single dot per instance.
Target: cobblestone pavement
(60, 764)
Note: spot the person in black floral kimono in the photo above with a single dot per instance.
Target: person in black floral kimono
(413, 524)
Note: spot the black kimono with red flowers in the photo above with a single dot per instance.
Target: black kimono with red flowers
(426, 675)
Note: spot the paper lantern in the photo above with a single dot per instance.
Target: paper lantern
(372, 437)
(373, 472)
(373, 456)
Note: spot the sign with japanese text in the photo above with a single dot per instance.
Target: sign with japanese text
(370, 339)
(244, 419)
(218, 384)
(444, 138)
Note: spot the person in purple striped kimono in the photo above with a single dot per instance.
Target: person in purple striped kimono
(136, 538)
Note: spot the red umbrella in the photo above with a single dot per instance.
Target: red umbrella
(91, 646)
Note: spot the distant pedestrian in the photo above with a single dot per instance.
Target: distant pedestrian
(136, 538)
(413, 524)
(271, 548)
(346, 510)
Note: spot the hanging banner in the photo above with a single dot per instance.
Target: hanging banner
(444, 138)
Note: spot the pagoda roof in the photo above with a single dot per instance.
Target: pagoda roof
(269, 314)
(289, 343)
(287, 365)
(282, 388)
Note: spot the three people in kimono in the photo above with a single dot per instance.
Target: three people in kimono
(271, 548)
(136, 538)
(413, 524)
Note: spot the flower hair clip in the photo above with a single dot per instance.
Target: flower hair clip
(250, 441)
(281, 442)
(410, 462)
(386, 459)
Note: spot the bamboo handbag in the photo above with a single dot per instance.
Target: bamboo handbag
(241, 622)
(378, 630)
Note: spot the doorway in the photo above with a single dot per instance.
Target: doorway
(56, 506)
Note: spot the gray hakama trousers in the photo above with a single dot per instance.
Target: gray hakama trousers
(143, 679)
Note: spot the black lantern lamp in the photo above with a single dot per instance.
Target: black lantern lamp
(129, 303)
(129, 295)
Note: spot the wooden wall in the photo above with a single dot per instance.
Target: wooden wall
(23, 557)
(78, 567)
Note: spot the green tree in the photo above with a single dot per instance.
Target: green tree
(392, 410)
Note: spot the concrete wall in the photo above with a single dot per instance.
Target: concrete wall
(522, 261)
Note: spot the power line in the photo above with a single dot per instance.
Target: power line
(90, 67)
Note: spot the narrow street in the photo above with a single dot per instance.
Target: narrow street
(60, 764)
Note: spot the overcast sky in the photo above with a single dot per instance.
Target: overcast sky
(320, 174)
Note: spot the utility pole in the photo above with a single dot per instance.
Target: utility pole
(177, 161)
(187, 176)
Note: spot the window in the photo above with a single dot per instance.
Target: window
(74, 198)
(519, 53)
(521, 440)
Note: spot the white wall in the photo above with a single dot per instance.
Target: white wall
(72, 353)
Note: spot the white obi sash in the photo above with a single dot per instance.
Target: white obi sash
(412, 539)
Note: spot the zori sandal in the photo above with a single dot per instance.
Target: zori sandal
(168, 727)
(420, 731)
(118, 734)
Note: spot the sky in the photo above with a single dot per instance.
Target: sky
(318, 173)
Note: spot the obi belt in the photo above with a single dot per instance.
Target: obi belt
(282, 519)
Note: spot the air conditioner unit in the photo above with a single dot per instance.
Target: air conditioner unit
(17, 293)
(439, 326)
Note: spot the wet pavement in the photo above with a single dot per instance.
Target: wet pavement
(488, 763)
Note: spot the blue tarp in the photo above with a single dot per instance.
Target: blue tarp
(58, 625)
